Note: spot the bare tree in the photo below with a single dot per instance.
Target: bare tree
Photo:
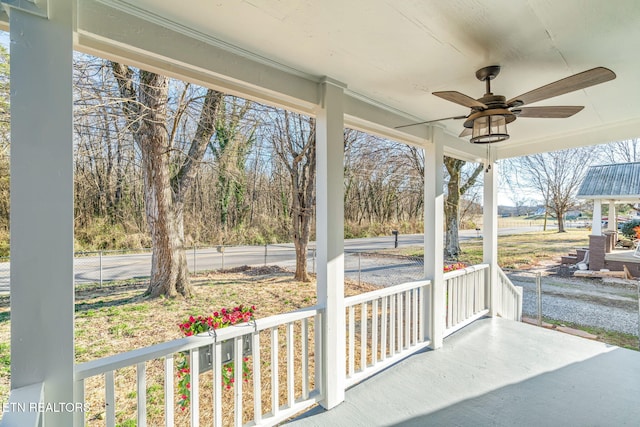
(627, 151)
(145, 97)
(556, 176)
(294, 142)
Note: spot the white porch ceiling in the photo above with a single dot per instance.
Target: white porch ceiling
(392, 54)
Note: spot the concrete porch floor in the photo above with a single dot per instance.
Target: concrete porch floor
(496, 372)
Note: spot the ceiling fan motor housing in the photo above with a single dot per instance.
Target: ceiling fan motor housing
(497, 106)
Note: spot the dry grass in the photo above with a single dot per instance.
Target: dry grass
(521, 250)
(114, 320)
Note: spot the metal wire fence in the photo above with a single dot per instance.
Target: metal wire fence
(99, 267)
(382, 269)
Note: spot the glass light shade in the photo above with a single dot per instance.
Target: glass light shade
(489, 129)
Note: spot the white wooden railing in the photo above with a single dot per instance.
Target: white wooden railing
(385, 326)
(281, 382)
(466, 296)
(508, 298)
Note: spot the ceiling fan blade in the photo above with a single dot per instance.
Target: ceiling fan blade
(461, 99)
(569, 84)
(551, 112)
(431, 121)
(465, 132)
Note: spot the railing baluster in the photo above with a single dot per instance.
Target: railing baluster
(363, 336)
(415, 315)
(351, 341)
(275, 385)
(399, 317)
(169, 391)
(374, 332)
(142, 394)
(449, 303)
(407, 319)
(383, 332)
(319, 367)
(424, 296)
(217, 384)
(110, 399)
(194, 366)
(290, 366)
(238, 358)
(468, 300)
(257, 380)
(305, 358)
(392, 325)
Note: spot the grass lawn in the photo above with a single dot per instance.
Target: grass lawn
(520, 250)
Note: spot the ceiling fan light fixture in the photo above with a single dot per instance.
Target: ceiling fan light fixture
(489, 128)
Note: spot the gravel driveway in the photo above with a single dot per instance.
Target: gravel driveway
(605, 303)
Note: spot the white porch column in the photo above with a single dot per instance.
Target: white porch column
(596, 226)
(330, 240)
(42, 292)
(490, 230)
(611, 223)
(433, 234)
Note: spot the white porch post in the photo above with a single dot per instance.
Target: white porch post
(490, 230)
(433, 234)
(596, 227)
(330, 240)
(611, 223)
(42, 293)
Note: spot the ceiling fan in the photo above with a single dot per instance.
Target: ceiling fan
(487, 121)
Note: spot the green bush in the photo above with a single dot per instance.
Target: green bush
(627, 228)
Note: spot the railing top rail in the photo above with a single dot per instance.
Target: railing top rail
(379, 293)
(129, 358)
(464, 271)
(504, 280)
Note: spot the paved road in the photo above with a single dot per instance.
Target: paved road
(94, 268)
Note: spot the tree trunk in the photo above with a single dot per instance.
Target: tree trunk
(452, 208)
(169, 270)
(301, 260)
(452, 203)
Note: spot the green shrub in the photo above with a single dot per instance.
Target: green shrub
(627, 228)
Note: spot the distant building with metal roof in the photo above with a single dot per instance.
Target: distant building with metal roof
(620, 182)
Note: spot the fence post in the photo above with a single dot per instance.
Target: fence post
(539, 290)
(265, 253)
(359, 259)
(222, 258)
(100, 257)
(194, 258)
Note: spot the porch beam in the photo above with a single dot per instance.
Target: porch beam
(330, 239)
(490, 228)
(433, 237)
(42, 294)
